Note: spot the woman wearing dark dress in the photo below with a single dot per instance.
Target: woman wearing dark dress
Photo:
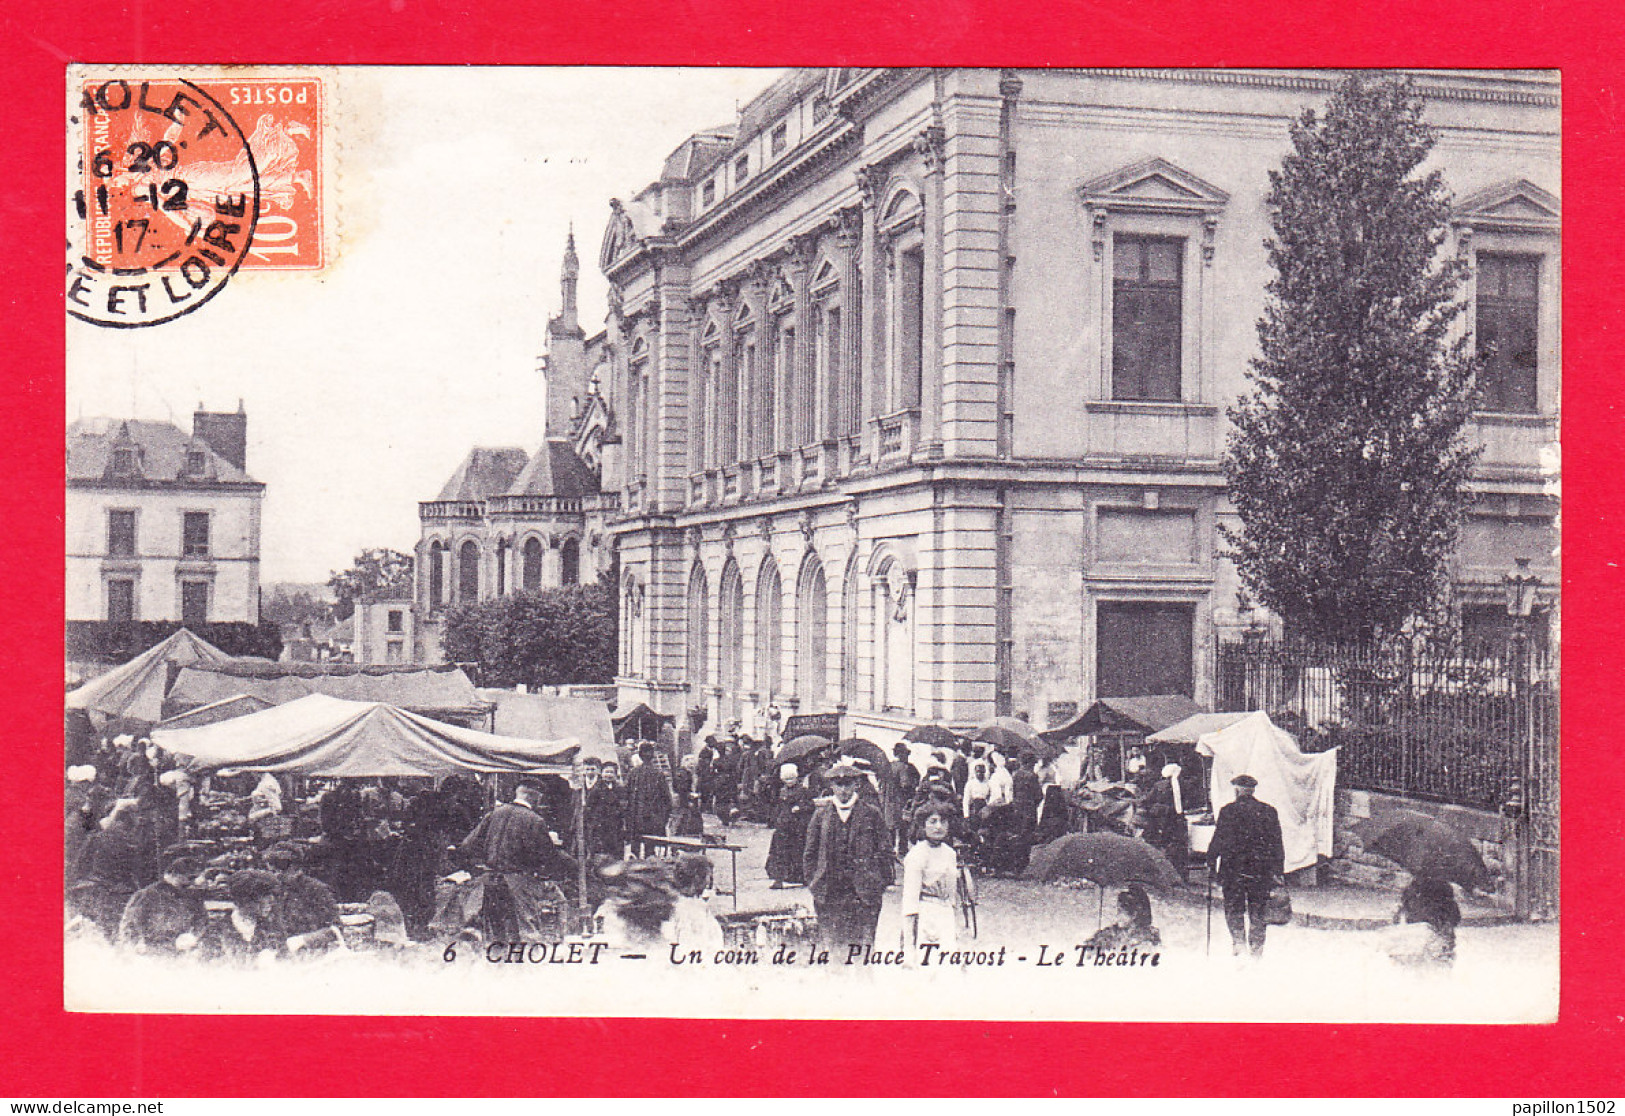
(791, 813)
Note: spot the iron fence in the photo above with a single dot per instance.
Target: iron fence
(1421, 718)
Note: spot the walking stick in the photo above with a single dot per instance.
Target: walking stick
(1207, 945)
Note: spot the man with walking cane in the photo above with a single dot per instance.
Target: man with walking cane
(1248, 856)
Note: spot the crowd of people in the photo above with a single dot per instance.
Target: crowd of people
(162, 860)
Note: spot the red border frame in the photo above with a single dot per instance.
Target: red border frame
(46, 1052)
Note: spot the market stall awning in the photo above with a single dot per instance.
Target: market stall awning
(431, 692)
(1143, 715)
(1190, 730)
(639, 722)
(239, 705)
(135, 691)
(542, 717)
(327, 736)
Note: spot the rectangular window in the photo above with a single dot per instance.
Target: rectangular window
(748, 438)
(708, 192)
(1508, 332)
(910, 326)
(121, 601)
(196, 463)
(741, 169)
(195, 535)
(124, 461)
(394, 651)
(121, 533)
(1147, 318)
(194, 602)
(396, 619)
(780, 139)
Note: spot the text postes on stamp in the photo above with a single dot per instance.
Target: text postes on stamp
(284, 121)
(167, 201)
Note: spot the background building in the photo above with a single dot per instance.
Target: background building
(162, 525)
(918, 382)
(507, 521)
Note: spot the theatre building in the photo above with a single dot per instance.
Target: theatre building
(916, 382)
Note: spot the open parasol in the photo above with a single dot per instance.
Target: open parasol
(937, 736)
(1425, 847)
(1007, 734)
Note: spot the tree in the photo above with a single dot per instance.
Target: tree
(294, 607)
(1347, 460)
(374, 569)
(564, 636)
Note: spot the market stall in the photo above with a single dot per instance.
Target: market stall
(444, 693)
(1119, 727)
(136, 690)
(1301, 786)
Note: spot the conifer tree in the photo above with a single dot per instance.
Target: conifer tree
(1347, 460)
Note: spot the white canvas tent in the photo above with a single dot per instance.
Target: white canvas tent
(136, 690)
(1299, 785)
(327, 736)
(546, 717)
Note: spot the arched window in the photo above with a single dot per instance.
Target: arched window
(812, 636)
(570, 562)
(731, 636)
(531, 571)
(769, 628)
(437, 574)
(699, 619)
(468, 571)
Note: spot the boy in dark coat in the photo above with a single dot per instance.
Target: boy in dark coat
(167, 917)
(848, 863)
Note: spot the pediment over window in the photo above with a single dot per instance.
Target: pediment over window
(1154, 185)
(1517, 205)
(620, 237)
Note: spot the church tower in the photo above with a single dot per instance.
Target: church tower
(565, 363)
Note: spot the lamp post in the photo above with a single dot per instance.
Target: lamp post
(1520, 585)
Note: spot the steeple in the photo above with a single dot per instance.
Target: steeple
(567, 280)
(565, 364)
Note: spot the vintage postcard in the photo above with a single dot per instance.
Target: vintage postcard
(862, 543)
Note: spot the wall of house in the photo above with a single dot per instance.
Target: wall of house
(232, 568)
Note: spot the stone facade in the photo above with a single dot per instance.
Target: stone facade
(875, 443)
(509, 521)
(162, 525)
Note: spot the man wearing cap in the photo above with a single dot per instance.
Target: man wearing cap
(648, 794)
(166, 917)
(848, 862)
(1247, 854)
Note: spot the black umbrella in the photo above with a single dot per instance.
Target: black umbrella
(1425, 847)
(1107, 859)
(936, 736)
(862, 749)
(1104, 859)
(792, 751)
(1007, 734)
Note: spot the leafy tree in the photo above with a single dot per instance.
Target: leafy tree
(294, 607)
(374, 569)
(553, 637)
(1347, 460)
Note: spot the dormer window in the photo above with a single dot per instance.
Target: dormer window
(197, 463)
(741, 169)
(779, 140)
(708, 192)
(124, 460)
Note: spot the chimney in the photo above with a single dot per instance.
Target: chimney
(225, 432)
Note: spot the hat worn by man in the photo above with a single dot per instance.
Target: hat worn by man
(847, 769)
(1244, 781)
(185, 866)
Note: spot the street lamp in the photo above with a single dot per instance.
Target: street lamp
(1520, 585)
